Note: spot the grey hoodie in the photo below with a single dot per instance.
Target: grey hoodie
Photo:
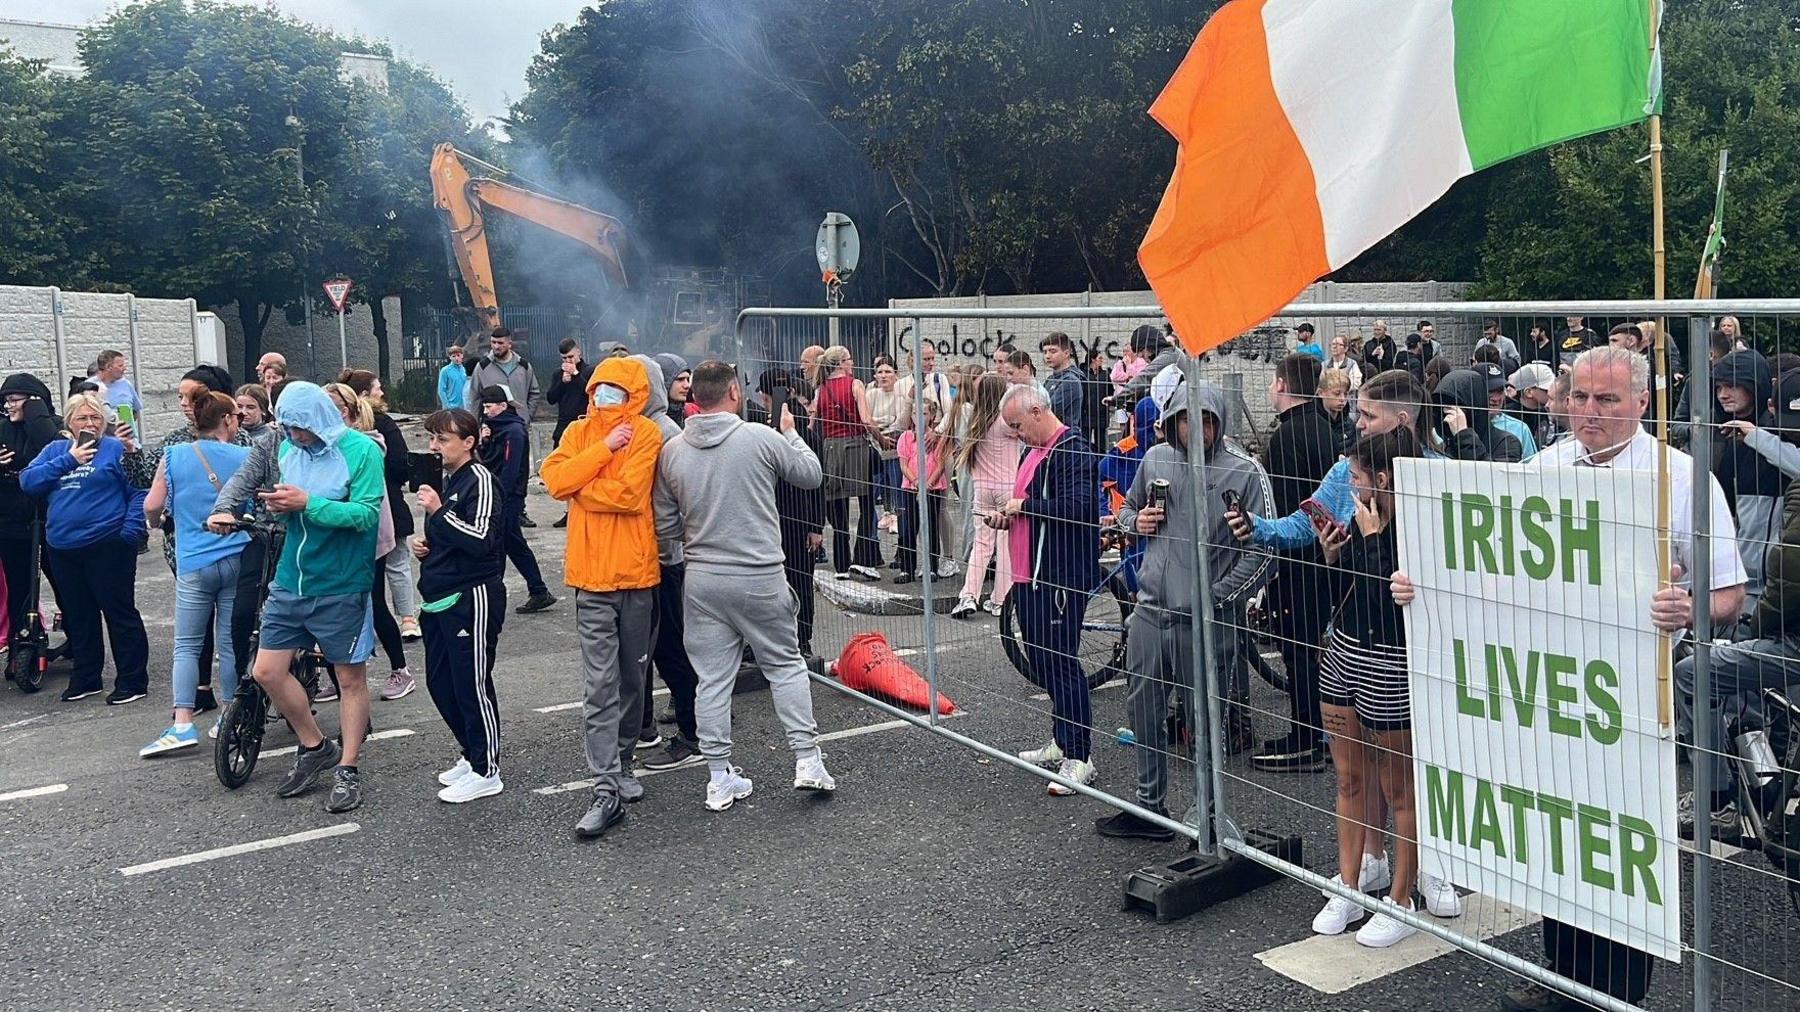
(668, 550)
(1166, 575)
(715, 491)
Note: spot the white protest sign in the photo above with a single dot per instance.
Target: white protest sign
(1543, 778)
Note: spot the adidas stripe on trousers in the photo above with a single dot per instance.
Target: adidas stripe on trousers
(459, 670)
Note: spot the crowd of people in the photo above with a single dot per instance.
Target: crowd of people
(688, 490)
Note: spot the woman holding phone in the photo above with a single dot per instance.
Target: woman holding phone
(94, 525)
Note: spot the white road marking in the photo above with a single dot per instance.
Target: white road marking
(398, 732)
(1333, 964)
(853, 732)
(240, 848)
(1116, 683)
(22, 723)
(34, 792)
(560, 707)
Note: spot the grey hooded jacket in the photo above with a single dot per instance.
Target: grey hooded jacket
(1166, 576)
(715, 490)
(668, 550)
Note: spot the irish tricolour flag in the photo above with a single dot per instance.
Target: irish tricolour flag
(1311, 129)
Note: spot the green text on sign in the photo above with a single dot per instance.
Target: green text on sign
(1610, 850)
(1540, 681)
(1523, 536)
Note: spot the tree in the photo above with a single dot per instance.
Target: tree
(38, 229)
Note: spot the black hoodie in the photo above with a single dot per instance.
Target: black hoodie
(1742, 471)
(25, 439)
(1467, 389)
(506, 452)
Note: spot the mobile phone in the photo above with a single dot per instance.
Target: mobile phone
(778, 400)
(1234, 503)
(262, 490)
(86, 439)
(125, 415)
(1316, 511)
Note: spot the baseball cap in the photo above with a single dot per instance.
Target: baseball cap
(1533, 374)
(1787, 401)
(1495, 376)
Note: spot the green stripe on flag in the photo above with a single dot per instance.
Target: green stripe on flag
(1531, 73)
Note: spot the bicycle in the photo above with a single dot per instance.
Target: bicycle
(1767, 777)
(241, 730)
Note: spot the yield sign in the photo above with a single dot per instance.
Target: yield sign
(338, 290)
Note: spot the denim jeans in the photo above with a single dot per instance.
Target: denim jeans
(1740, 673)
(207, 593)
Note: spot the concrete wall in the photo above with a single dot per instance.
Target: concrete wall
(90, 323)
(324, 360)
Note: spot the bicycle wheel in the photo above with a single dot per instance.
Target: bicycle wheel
(240, 736)
(1101, 650)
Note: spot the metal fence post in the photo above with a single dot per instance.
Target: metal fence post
(924, 530)
(61, 349)
(1700, 447)
(1208, 722)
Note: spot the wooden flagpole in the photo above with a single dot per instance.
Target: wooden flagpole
(1665, 700)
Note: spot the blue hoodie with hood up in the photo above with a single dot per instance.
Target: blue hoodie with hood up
(330, 547)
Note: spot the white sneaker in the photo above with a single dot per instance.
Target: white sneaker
(1339, 913)
(965, 606)
(455, 773)
(946, 570)
(992, 607)
(1079, 770)
(723, 792)
(213, 732)
(472, 786)
(869, 573)
(1383, 931)
(1050, 755)
(1376, 875)
(810, 774)
(1441, 899)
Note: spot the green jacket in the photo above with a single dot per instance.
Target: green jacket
(1777, 611)
(330, 547)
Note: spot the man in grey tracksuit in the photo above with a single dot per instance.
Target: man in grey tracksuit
(1159, 641)
(715, 490)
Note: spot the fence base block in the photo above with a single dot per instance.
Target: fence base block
(1187, 886)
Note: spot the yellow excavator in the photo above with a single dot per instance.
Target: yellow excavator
(463, 196)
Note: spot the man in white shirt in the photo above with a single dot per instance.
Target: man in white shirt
(1608, 395)
(937, 387)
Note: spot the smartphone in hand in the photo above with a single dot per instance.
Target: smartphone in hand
(86, 439)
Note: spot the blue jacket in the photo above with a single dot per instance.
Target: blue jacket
(1065, 529)
(87, 502)
(506, 452)
(452, 381)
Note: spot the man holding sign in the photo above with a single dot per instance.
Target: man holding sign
(1598, 709)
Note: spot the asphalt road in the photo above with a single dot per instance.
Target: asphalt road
(934, 878)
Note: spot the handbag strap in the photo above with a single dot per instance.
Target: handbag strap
(211, 476)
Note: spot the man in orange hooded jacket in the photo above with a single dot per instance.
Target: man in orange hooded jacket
(605, 469)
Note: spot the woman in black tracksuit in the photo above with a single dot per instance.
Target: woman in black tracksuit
(463, 604)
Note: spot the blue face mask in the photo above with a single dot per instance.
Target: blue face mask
(608, 396)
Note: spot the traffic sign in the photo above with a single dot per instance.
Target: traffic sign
(837, 246)
(338, 291)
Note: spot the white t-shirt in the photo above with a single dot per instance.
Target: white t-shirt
(1640, 455)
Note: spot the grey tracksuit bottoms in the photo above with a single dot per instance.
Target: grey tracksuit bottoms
(725, 610)
(1159, 658)
(618, 632)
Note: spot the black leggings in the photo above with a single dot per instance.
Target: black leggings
(15, 559)
(386, 629)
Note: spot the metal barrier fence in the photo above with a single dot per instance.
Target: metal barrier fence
(1524, 685)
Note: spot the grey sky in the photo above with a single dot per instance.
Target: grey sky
(481, 47)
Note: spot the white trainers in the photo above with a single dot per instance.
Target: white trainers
(965, 606)
(723, 792)
(1050, 755)
(455, 773)
(810, 774)
(1376, 874)
(1339, 913)
(1079, 770)
(947, 569)
(472, 786)
(1441, 899)
(993, 607)
(1382, 930)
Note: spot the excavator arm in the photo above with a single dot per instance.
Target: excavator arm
(462, 198)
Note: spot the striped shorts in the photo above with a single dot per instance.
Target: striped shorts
(1372, 680)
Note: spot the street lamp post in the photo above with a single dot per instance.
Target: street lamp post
(312, 356)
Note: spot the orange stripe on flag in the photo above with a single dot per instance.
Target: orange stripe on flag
(1239, 232)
